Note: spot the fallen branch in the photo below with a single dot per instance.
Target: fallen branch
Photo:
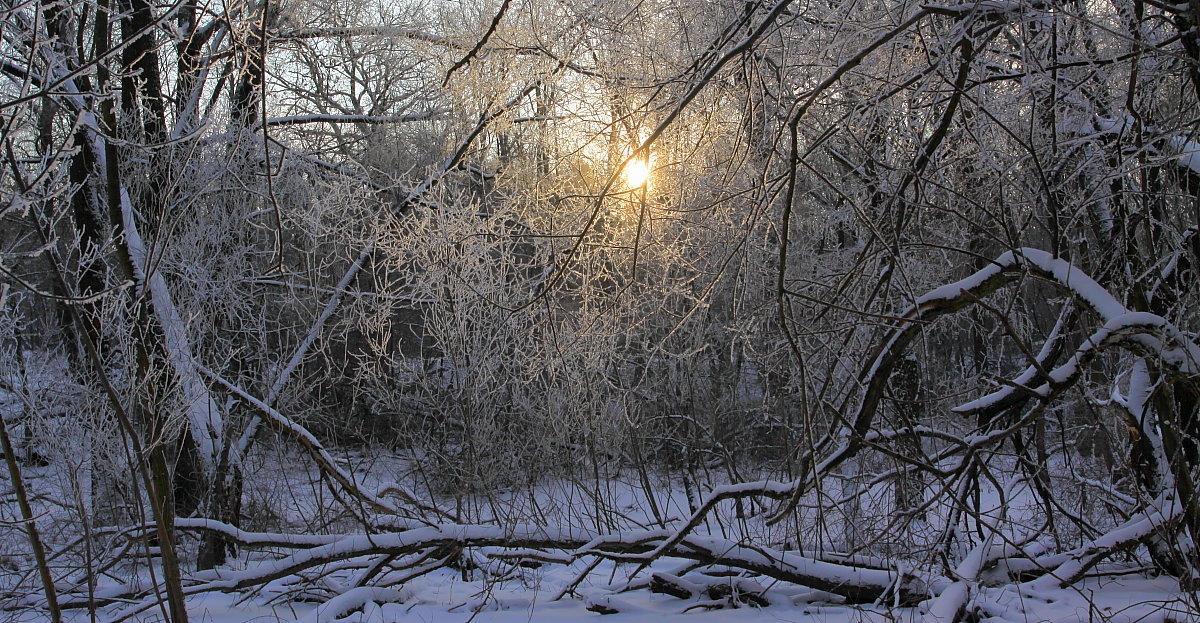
(856, 584)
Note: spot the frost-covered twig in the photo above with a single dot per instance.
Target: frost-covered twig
(434, 115)
(333, 303)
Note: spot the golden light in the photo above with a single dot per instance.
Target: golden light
(637, 173)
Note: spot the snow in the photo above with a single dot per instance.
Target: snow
(444, 597)
(367, 598)
(497, 589)
(1188, 153)
(257, 538)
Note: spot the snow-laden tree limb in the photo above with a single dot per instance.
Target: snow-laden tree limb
(434, 115)
(859, 584)
(1136, 331)
(203, 413)
(255, 539)
(1071, 566)
(205, 422)
(950, 604)
(1144, 333)
(1139, 413)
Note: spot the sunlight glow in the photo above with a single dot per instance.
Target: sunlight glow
(637, 173)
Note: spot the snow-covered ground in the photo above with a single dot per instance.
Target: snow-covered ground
(443, 597)
(287, 497)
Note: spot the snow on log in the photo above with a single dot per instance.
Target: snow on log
(673, 585)
(856, 584)
(396, 544)
(255, 539)
(1187, 153)
(951, 604)
(352, 600)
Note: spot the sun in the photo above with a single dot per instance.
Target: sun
(637, 173)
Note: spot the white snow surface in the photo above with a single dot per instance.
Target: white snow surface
(529, 594)
(443, 597)
(507, 593)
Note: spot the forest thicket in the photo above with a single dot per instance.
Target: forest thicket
(901, 297)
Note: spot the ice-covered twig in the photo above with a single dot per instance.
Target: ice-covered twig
(1009, 396)
(333, 303)
(1146, 334)
(1137, 331)
(997, 10)
(1178, 274)
(205, 422)
(434, 115)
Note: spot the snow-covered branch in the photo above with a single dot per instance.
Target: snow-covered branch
(434, 115)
